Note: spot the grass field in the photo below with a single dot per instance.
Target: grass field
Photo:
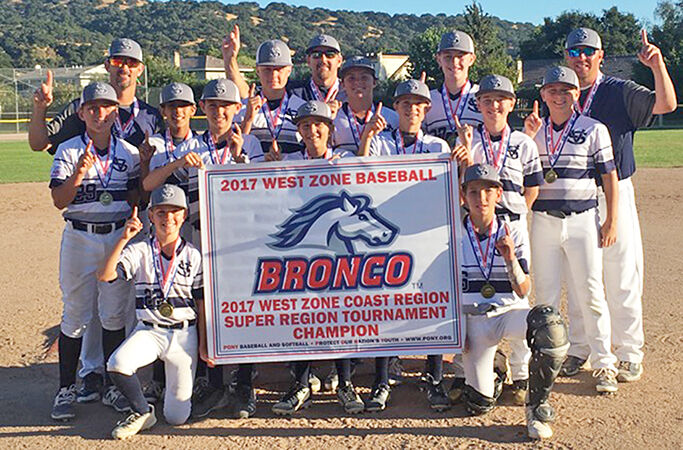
(654, 148)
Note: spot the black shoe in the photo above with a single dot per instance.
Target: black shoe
(395, 371)
(519, 389)
(298, 397)
(571, 366)
(455, 392)
(378, 398)
(436, 394)
(209, 399)
(349, 399)
(91, 389)
(245, 401)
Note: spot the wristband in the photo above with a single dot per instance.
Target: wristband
(515, 273)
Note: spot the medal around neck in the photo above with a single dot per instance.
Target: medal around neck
(106, 198)
(165, 309)
(550, 176)
(487, 290)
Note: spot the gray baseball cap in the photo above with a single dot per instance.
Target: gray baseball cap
(168, 194)
(323, 40)
(98, 91)
(561, 74)
(456, 40)
(273, 53)
(583, 37)
(412, 87)
(176, 91)
(221, 89)
(483, 172)
(314, 108)
(496, 83)
(125, 47)
(359, 62)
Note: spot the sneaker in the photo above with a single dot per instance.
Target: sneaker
(571, 366)
(90, 389)
(153, 391)
(349, 399)
(607, 381)
(536, 428)
(63, 407)
(209, 399)
(332, 379)
(629, 371)
(314, 382)
(395, 371)
(519, 389)
(436, 395)
(245, 401)
(455, 392)
(378, 398)
(115, 398)
(299, 397)
(134, 423)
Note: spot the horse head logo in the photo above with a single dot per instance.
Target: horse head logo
(341, 218)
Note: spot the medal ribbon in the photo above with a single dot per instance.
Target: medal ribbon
(123, 131)
(586, 108)
(272, 120)
(166, 277)
(498, 158)
(554, 150)
(484, 258)
(327, 155)
(459, 107)
(400, 147)
(102, 169)
(356, 130)
(169, 147)
(331, 93)
(213, 151)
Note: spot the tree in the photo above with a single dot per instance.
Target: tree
(421, 53)
(161, 72)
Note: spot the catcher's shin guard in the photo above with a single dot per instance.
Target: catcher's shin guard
(477, 403)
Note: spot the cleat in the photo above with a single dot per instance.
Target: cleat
(378, 398)
(134, 423)
(455, 392)
(115, 398)
(395, 371)
(245, 401)
(436, 395)
(629, 371)
(607, 381)
(571, 366)
(535, 427)
(314, 382)
(90, 390)
(349, 399)
(332, 379)
(63, 406)
(299, 397)
(519, 389)
(153, 391)
(209, 399)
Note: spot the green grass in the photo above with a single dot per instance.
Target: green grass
(654, 148)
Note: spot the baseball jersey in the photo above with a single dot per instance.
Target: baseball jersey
(515, 156)
(148, 266)
(304, 156)
(274, 120)
(475, 274)
(308, 90)
(164, 151)
(582, 153)
(145, 118)
(348, 128)
(102, 197)
(623, 106)
(391, 143)
(439, 119)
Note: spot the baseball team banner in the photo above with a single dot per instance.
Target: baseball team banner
(330, 259)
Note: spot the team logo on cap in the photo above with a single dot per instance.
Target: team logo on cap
(220, 89)
(581, 34)
(176, 89)
(312, 107)
(496, 82)
(456, 38)
(167, 192)
(100, 89)
(558, 73)
(274, 52)
(125, 44)
(482, 171)
(413, 85)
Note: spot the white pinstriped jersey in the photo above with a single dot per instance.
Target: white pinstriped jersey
(472, 277)
(137, 262)
(348, 129)
(587, 154)
(122, 174)
(164, 150)
(390, 143)
(519, 166)
(439, 120)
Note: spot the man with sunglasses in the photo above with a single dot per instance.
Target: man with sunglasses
(623, 106)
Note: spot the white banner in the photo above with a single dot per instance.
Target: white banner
(322, 260)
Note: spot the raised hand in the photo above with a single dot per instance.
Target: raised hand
(423, 77)
(43, 96)
(146, 149)
(274, 153)
(650, 55)
(254, 103)
(465, 133)
(334, 107)
(85, 162)
(231, 44)
(506, 246)
(132, 226)
(376, 124)
(192, 159)
(236, 141)
(461, 155)
(533, 122)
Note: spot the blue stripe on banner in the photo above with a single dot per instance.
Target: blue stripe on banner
(566, 206)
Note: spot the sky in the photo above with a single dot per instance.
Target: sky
(532, 10)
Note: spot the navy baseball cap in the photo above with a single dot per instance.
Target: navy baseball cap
(99, 91)
(561, 74)
(125, 47)
(323, 40)
(482, 172)
(583, 37)
(412, 87)
(176, 91)
(314, 108)
(456, 40)
(273, 53)
(168, 194)
(221, 89)
(359, 62)
(496, 83)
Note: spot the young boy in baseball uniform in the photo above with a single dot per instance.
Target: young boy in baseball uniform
(496, 285)
(566, 235)
(168, 284)
(95, 177)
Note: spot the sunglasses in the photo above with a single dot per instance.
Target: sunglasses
(576, 52)
(120, 61)
(328, 54)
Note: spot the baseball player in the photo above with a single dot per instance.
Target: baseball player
(95, 176)
(168, 283)
(456, 97)
(323, 56)
(496, 285)
(623, 106)
(566, 236)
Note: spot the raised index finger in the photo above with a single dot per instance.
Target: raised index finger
(252, 90)
(378, 111)
(134, 215)
(535, 110)
(457, 121)
(643, 36)
(48, 79)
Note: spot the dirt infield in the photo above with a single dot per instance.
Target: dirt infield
(645, 414)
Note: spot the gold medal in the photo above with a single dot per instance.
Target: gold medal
(487, 290)
(550, 176)
(165, 309)
(106, 198)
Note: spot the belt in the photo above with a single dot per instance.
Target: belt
(478, 309)
(510, 216)
(175, 326)
(563, 215)
(96, 228)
